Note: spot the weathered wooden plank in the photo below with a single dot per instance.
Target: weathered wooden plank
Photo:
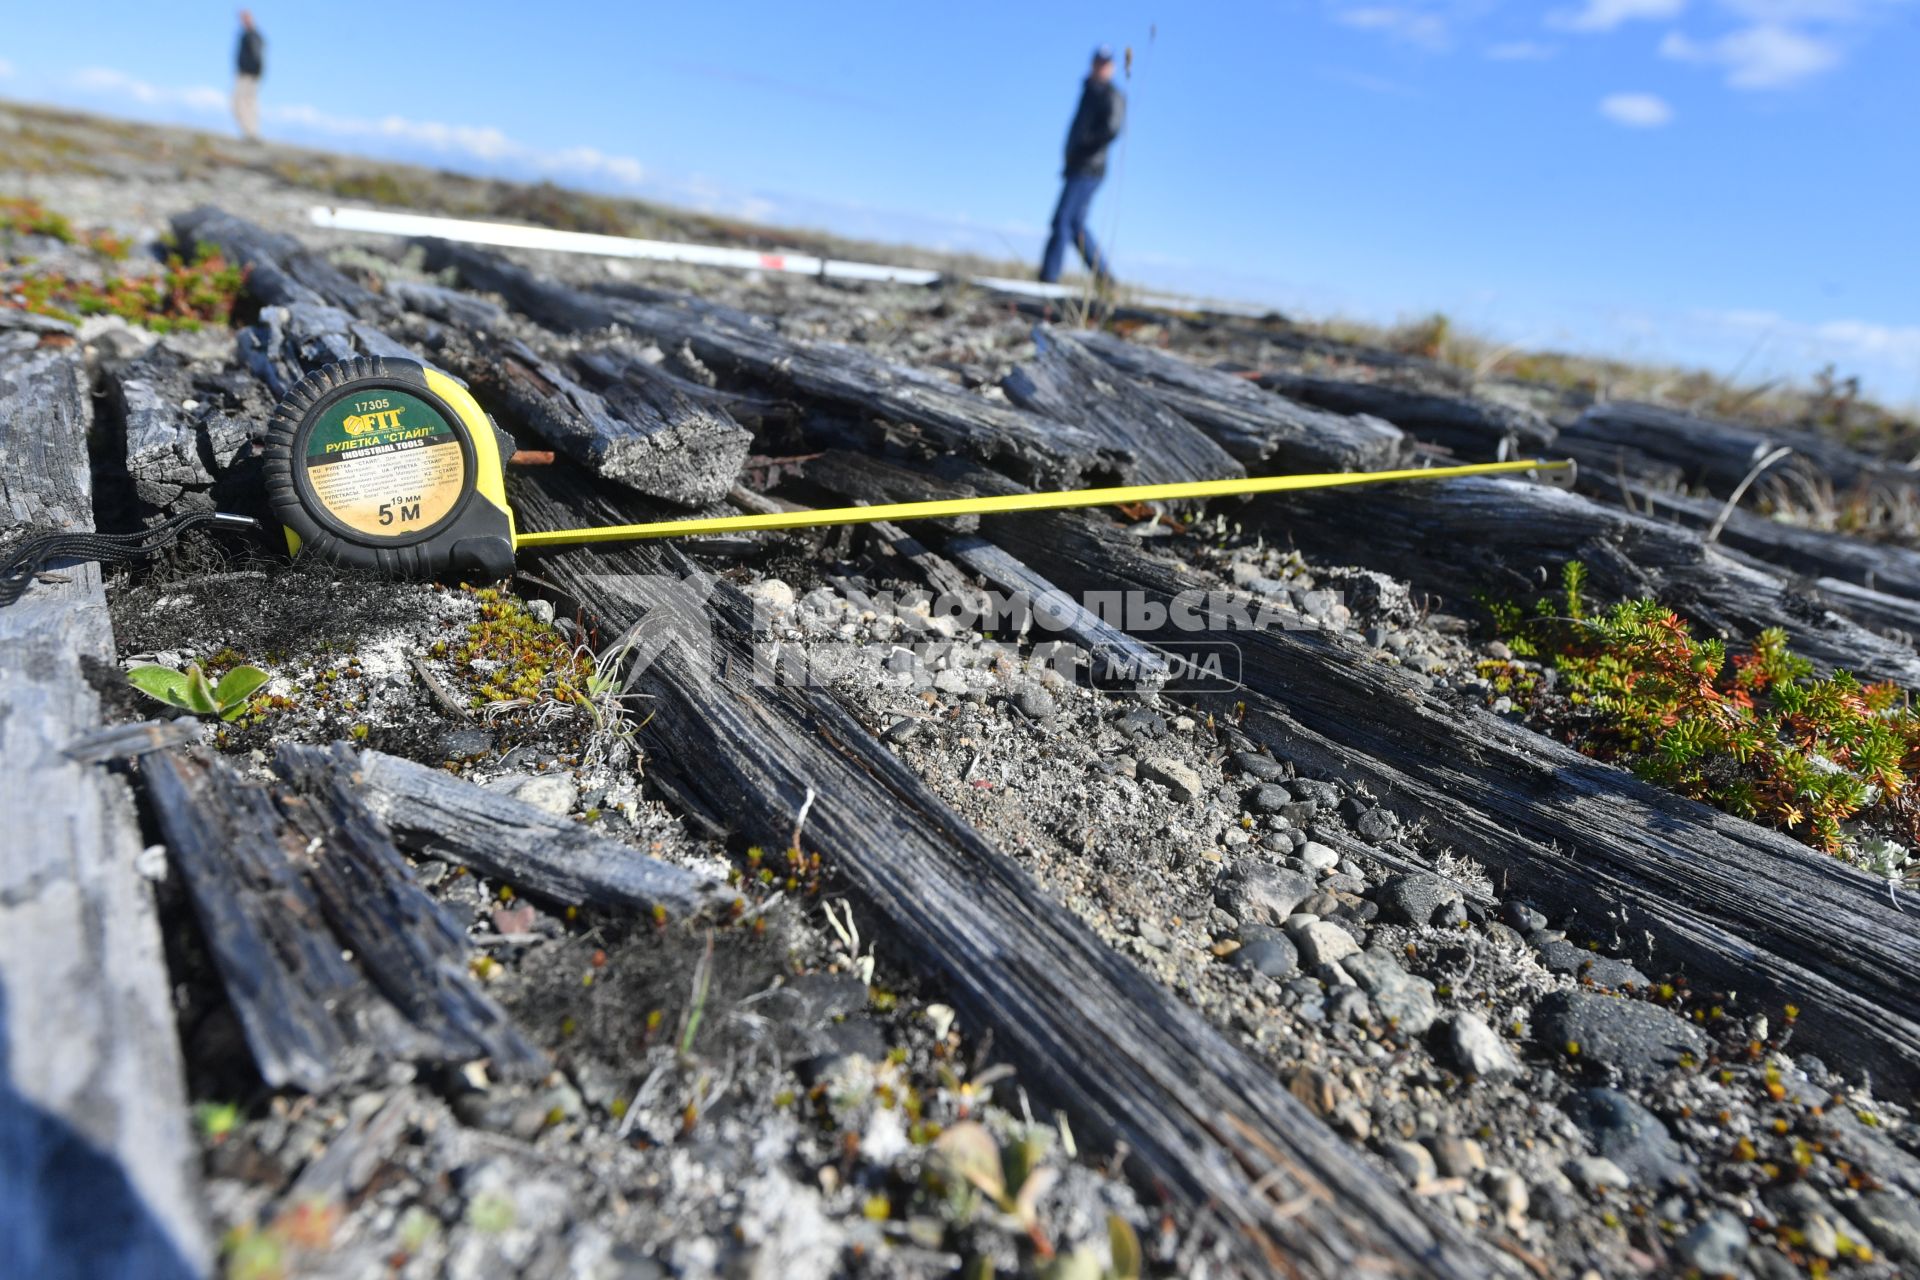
(1066, 383)
(1877, 566)
(910, 402)
(1268, 431)
(1470, 427)
(1210, 1128)
(648, 438)
(1716, 455)
(280, 270)
(92, 1099)
(285, 889)
(455, 821)
(1734, 904)
(1509, 539)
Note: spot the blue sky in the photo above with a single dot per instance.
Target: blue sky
(1730, 183)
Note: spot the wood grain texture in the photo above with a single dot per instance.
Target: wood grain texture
(1732, 903)
(912, 404)
(287, 888)
(1268, 432)
(92, 1101)
(1092, 1035)
(455, 821)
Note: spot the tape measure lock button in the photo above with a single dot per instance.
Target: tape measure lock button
(388, 465)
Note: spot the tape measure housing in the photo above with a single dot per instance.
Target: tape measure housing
(387, 465)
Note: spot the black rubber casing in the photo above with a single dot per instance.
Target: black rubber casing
(473, 540)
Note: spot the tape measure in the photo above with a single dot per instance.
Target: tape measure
(388, 465)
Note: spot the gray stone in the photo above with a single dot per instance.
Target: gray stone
(1892, 1221)
(1716, 1245)
(552, 793)
(1349, 1004)
(1414, 1162)
(1458, 1157)
(1477, 1049)
(1523, 917)
(464, 744)
(1262, 894)
(1597, 1173)
(1177, 778)
(1140, 722)
(1566, 957)
(1376, 825)
(1322, 942)
(1419, 899)
(1299, 813)
(1268, 798)
(1405, 1001)
(1275, 957)
(903, 731)
(1637, 1039)
(1035, 702)
(1318, 857)
(1508, 1191)
(1631, 1136)
(1323, 795)
(1257, 766)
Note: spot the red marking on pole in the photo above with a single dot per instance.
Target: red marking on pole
(773, 262)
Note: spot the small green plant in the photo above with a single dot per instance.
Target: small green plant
(1757, 734)
(184, 296)
(30, 217)
(216, 1120)
(192, 690)
(1013, 1180)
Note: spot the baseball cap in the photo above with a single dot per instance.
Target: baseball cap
(1103, 54)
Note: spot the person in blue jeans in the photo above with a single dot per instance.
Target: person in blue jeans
(1103, 109)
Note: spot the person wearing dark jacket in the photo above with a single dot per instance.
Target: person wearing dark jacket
(249, 64)
(1097, 122)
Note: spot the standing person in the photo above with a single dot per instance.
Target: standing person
(249, 62)
(1103, 108)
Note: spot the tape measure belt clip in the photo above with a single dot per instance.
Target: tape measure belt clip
(388, 465)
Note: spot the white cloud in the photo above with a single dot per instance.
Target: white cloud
(1759, 57)
(1867, 340)
(1605, 15)
(1414, 26)
(483, 143)
(6, 69)
(1522, 51)
(1636, 110)
(105, 80)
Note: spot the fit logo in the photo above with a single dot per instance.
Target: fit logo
(358, 424)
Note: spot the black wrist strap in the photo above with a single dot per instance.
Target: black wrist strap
(19, 566)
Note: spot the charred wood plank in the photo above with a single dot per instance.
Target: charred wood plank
(275, 916)
(1469, 427)
(280, 270)
(92, 1096)
(1716, 455)
(1213, 1130)
(1068, 384)
(1730, 902)
(1255, 426)
(648, 438)
(921, 406)
(455, 821)
(1510, 538)
(1876, 566)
